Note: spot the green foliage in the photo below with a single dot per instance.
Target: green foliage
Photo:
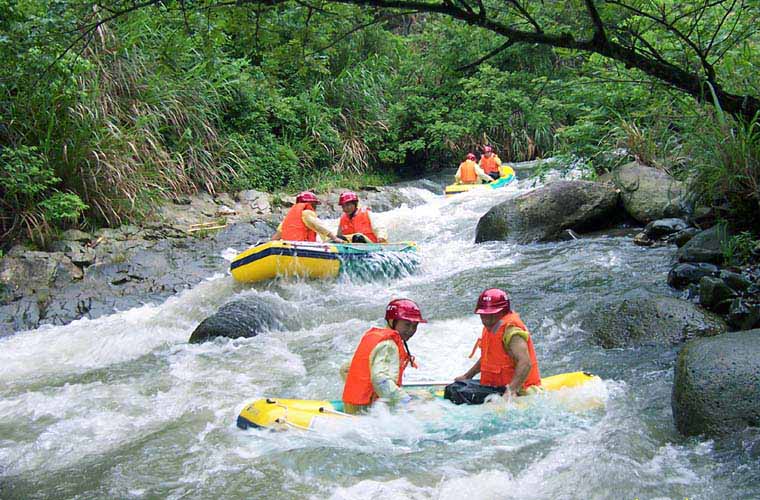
(165, 101)
(738, 249)
(62, 207)
(26, 176)
(30, 196)
(726, 167)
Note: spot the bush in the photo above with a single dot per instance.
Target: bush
(726, 167)
(30, 200)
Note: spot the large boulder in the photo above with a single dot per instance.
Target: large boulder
(650, 320)
(716, 389)
(240, 318)
(648, 194)
(545, 214)
(705, 246)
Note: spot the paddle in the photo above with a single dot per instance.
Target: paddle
(427, 384)
(431, 383)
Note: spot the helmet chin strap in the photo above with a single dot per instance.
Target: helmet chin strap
(409, 353)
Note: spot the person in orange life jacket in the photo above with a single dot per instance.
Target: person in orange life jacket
(355, 224)
(490, 163)
(507, 354)
(470, 172)
(377, 367)
(301, 222)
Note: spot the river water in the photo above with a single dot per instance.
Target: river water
(123, 407)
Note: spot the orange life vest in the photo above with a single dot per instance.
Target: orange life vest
(293, 228)
(489, 165)
(358, 389)
(496, 366)
(359, 223)
(467, 172)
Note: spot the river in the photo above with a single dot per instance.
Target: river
(124, 407)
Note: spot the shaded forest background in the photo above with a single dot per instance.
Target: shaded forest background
(102, 120)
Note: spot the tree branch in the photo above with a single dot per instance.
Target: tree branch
(486, 57)
(524, 13)
(678, 77)
(599, 34)
(359, 27)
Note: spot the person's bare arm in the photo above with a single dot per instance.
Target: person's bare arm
(518, 351)
(277, 234)
(471, 372)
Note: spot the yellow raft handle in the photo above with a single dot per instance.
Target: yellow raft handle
(322, 409)
(285, 421)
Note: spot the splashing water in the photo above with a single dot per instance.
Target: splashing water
(123, 407)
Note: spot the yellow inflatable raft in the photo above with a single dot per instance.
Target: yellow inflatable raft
(282, 414)
(507, 176)
(305, 259)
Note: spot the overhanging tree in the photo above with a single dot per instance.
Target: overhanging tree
(687, 45)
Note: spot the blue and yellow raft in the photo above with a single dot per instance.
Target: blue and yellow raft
(283, 414)
(307, 259)
(507, 176)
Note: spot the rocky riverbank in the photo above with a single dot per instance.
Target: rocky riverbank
(87, 275)
(715, 389)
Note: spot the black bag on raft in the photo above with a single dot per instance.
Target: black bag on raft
(470, 392)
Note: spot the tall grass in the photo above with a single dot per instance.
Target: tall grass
(653, 145)
(726, 163)
(143, 131)
(118, 127)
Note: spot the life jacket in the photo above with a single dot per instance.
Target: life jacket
(293, 228)
(496, 366)
(359, 223)
(358, 389)
(467, 172)
(489, 165)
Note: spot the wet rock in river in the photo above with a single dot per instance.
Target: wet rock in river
(650, 320)
(705, 246)
(648, 193)
(682, 237)
(240, 318)
(546, 213)
(682, 275)
(716, 389)
(743, 314)
(663, 227)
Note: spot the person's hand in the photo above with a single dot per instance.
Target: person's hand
(336, 239)
(510, 394)
(461, 378)
(382, 240)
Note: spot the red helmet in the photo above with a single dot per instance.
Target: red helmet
(471, 156)
(492, 301)
(404, 309)
(347, 197)
(306, 197)
(487, 149)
